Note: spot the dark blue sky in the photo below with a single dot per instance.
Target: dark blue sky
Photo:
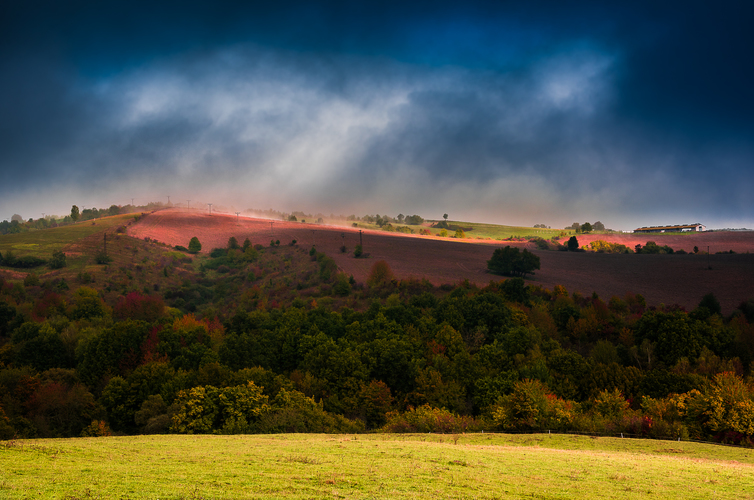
(531, 112)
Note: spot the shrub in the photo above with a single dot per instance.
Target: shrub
(31, 279)
(459, 234)
(358, 251)
(531, 406)
(194, 245)
(429, 419)
(380, 274)
(102, 258)
(58, 260)
(573, 244)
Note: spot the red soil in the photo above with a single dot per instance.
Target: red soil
(668, 279)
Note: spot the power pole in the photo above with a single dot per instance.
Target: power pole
(237, 217)
(210, 208)
(361, 242)
(271, 231)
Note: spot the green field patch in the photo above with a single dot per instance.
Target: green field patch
(43, 242)
(372, 466)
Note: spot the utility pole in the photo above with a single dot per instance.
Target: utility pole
(361, 242)
(210, 208)
(132, 201)
(237, 217)
(314, 237)
(168, 200)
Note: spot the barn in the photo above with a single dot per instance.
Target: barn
(672, 229)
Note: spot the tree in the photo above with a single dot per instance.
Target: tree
(586, 228)
(58, 260)
(598, 226)
(445, 216)
(233, 243)
(509, 261)
(194, 245)
(400, 218)
(17, 218)
(573, 244)
(380, 274)
(75, 213)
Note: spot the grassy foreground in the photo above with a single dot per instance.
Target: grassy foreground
(372, 466)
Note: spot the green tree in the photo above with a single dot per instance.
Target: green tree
(445, 216)
(75, 213)
(58, 260)
(194, 245)
(573, 244)
(586, 228)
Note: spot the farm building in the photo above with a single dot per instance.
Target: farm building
(671, 229)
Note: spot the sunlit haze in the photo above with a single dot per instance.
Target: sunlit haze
(515, 113)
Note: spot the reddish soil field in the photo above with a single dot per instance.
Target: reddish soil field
(717, 241)
(668, 279)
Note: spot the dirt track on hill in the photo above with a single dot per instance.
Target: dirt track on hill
(668, 279)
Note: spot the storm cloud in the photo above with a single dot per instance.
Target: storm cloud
(501, 113)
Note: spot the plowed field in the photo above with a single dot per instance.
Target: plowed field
(668, 279)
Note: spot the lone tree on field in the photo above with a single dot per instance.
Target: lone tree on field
(445, 216)
(509, 261)
(573, 244)
(75, 213)
(194, 245)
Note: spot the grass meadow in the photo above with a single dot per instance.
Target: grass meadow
(42, 242)
(372, 466)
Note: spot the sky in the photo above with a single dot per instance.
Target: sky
(511, 112)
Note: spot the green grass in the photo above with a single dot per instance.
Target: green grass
(41, 243)
(372, 466)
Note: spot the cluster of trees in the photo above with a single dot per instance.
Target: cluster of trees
(509, 261)
(317, 352)
(586, 227)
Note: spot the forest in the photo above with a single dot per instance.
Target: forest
(270, 339)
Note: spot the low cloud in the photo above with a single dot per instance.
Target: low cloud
(248, 126)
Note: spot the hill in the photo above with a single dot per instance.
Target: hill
(661, 279)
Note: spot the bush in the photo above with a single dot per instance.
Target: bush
(58, 260)
(194, 245)
(358, 251)
(531, 406)
(102, 258)
(429, 419)
(380, 274)
(573, 244)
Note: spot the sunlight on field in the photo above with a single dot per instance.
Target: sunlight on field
(372, 466)
(41, 243)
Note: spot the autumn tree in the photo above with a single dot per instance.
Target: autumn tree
(75, 213)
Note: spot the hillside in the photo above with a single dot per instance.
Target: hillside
(661, 279)
(483, 466)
